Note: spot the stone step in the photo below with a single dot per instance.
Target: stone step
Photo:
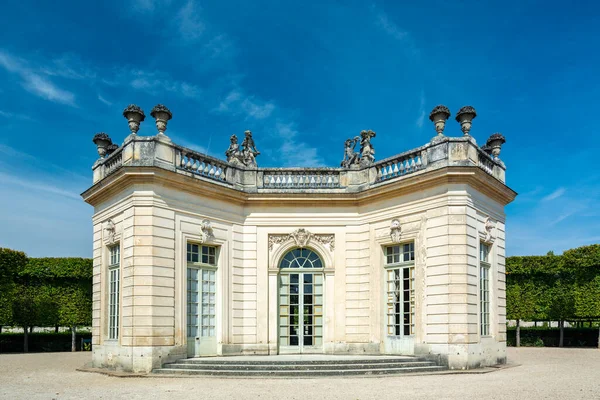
(297, 373)
(315, 366)
(333, 361)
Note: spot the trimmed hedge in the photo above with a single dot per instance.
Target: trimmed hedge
(549, 337)
(41, 341)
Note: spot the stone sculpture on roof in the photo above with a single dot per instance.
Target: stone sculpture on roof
(366, 156)
(246, 155)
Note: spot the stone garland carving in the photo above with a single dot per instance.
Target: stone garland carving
(111, 235)
(395, 231)
(366, 156)
(302, 238)
(206, 231)
(488, 230)
(246, 155)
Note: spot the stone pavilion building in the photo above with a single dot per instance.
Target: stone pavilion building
(196, 256)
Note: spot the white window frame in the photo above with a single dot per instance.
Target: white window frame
(485, 267)
(114, 291)
(400, 269)
(210, 258)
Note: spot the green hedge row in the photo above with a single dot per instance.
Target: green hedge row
(41, 341)
(550, 337)
(554, 288)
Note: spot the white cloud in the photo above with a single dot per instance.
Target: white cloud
(421, 118)
(45, 89)
(554, 195)
(102, 99)
(154, 82)
(236, 103)
(189, 23)
(37, 186)
(149, 5)
(233, 97)
(35, 83)
(7, 114)
(390, 28)
(255, 110)
(295, 153)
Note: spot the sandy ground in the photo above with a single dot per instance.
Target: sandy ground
(543, 373)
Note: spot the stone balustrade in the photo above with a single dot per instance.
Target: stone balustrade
(401, 165)
(159, 151)
(113, 162)
(201, 164)
(486, 162)
(300, 178)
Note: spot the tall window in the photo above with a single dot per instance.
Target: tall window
(201, 290)
(114, 278)
(484, 288)
(400, 270)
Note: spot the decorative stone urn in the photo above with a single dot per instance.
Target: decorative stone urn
(438, 116)
(102, 141)
(111, 149)
(494, 144)
(162, 115)
(135, 115)
(465, 116)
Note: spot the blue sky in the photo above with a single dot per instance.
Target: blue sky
(301, 75)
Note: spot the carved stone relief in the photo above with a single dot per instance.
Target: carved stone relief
(301, 238)
(488, 233)
(111, 235)
(206, 231)
(395, 231)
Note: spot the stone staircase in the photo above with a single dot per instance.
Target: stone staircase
(299, 366)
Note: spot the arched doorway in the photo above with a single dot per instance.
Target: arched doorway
(301, 302)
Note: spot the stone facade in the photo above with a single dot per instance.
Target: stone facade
(153, 199)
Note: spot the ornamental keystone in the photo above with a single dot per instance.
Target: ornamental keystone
(465, 116)
(134, 115)
(162, 115)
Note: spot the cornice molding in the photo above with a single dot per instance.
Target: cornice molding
(469, 175)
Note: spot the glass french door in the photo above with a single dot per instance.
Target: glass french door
(300, 312)
(201, 312)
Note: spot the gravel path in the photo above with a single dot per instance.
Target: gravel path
(544, 373)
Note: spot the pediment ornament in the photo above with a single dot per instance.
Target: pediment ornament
(302, 237)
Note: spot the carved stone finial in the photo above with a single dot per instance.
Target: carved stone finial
(438, 116)
(395, 231)
(494, 144)
(465, 116)
(206, 231)
(102, 141)
(135, 115)
(162, 115)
